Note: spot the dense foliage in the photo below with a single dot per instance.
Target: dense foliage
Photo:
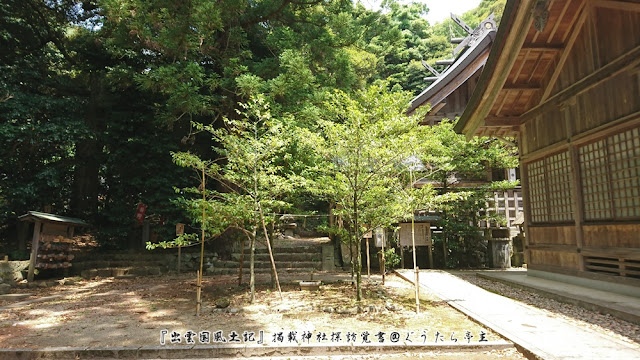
(95, 96)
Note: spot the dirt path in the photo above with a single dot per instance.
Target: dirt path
(133, 312)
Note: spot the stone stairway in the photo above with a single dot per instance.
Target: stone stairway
(293, 256)
(289, 257)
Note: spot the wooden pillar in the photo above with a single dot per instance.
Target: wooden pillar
(526, 207)
(578, 203)
(430, 244)
(35, 243)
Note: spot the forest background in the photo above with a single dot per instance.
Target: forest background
(95, 96)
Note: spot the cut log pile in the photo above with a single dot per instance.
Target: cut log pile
(53, 253)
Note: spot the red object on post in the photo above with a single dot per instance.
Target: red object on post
(142, 208)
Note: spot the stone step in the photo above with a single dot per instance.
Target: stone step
(143, 256)
(99, 264)
(121, 271)
(230, 271)
(281, 256)
(287, 250)
(267, 264)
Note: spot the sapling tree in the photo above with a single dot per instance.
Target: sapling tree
(249, 180)
(365, 136)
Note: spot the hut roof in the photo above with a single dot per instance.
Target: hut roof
(51, 218)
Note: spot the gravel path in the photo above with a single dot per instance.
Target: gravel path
(602, 323)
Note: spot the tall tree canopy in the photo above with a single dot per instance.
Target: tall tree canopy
(96, 94)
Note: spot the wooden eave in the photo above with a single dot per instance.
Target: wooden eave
(42, 217)
(470, 62)
(520, 79)
(516, 19)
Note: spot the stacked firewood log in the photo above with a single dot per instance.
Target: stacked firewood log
(53, 253)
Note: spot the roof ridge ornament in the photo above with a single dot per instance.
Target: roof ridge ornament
(541, 14)
(486, 25)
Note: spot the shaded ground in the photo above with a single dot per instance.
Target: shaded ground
(132, 312)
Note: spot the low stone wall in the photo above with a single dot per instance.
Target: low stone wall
(11, 273)
(191, 262)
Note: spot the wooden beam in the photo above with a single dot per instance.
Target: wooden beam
(463, 76)
(435, 108)
(500, 65)
(558, 21)
(522, 64)
(565, 53)
(626, 61)
(506, 121)
(504, 100)
(621, 124)
(624, 123)
(535, 67)
(522, 87)
(561, 145)
(618, 5)
(431, 119)
(543, 47)
(35, 243)
(554, 247)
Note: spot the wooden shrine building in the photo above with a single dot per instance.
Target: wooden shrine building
(563, 79)
(448, 95)
(449, 92)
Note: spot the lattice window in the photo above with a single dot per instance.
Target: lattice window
(624, 157)
(610, 170)
(550, 189)
(559, 180)
(537, 191)
(595, 183)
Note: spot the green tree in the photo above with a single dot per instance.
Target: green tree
(41, 111)
(246, 169)
(364, 139)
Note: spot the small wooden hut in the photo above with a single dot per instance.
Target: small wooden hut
(563, 78)
(51, 240)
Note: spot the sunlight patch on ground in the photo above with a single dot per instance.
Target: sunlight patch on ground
(43, 319)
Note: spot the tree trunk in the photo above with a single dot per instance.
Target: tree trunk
(356, 231)
(359, 271)
(351, 257)
(84, 202)
(252, 262)
(335, 240)
(368, 262)
(273, 263)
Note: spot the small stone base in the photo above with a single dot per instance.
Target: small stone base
(310, 285)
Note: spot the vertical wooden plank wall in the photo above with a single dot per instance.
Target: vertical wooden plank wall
(611, 105)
